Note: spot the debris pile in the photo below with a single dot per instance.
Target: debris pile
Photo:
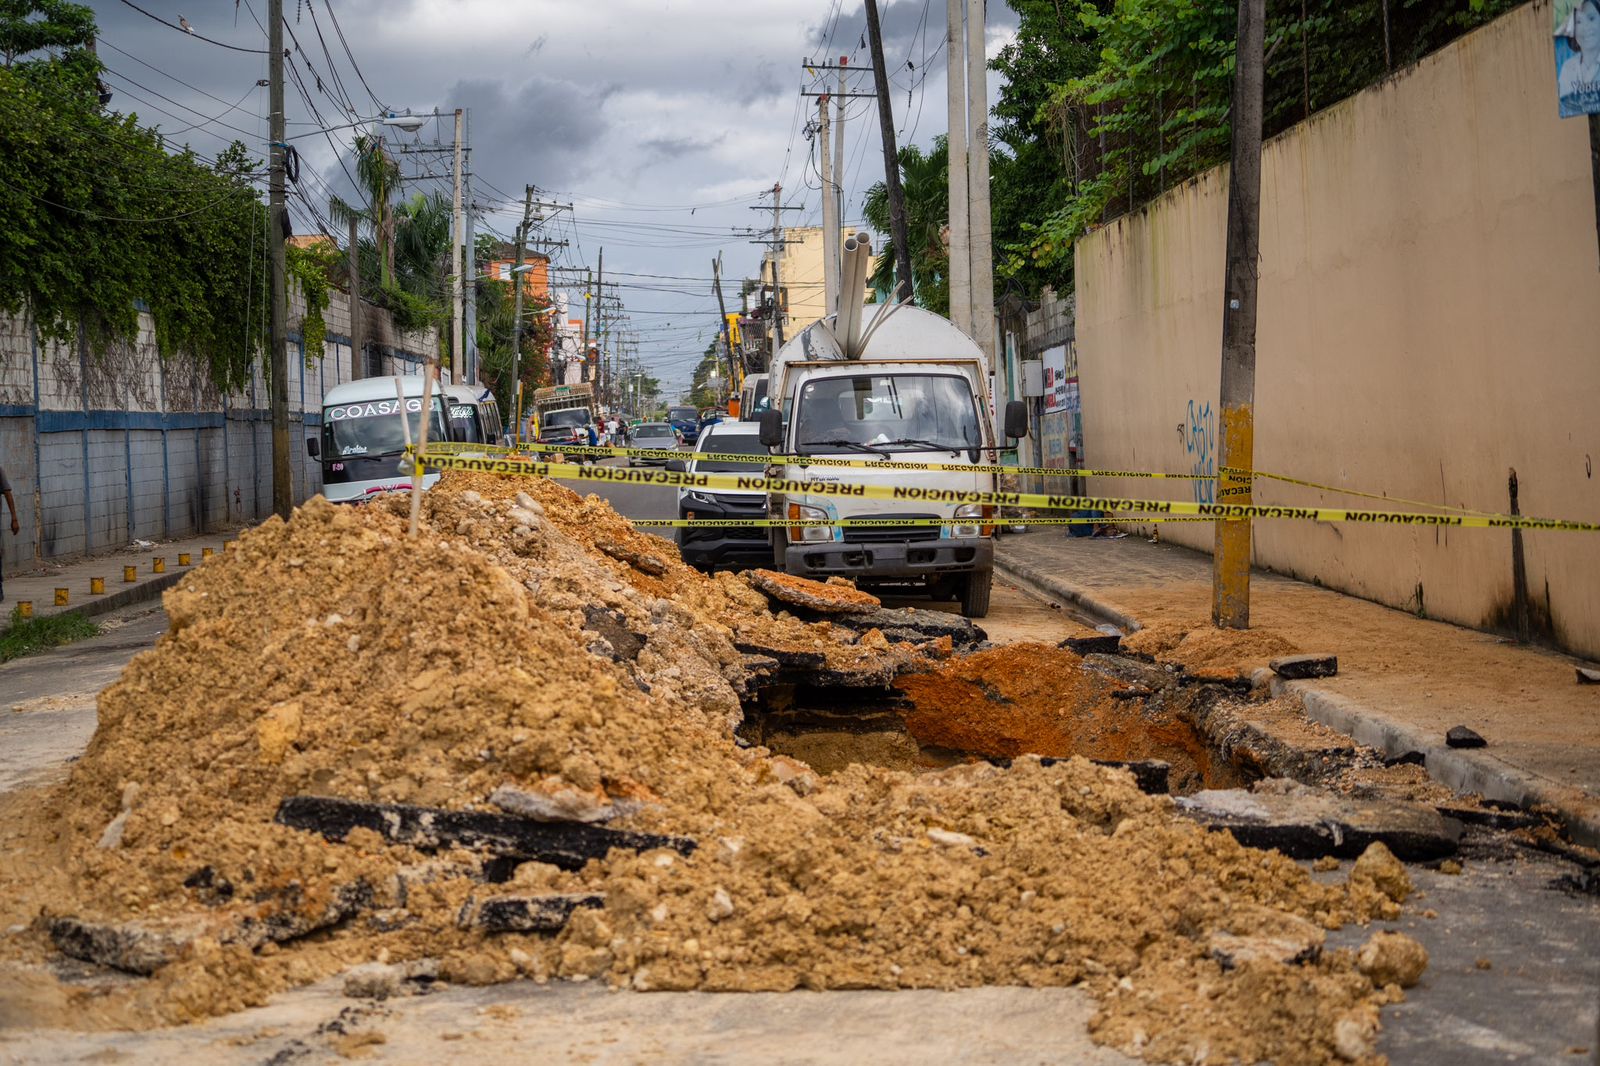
(1205, 650)
(505, 748)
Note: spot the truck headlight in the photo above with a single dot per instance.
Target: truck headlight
(980, 511)
(799, 512)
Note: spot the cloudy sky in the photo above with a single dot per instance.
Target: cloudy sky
(662, 123)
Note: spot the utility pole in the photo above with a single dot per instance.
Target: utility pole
(979, 225)
(600, 325)
(457, 236)
(516, 309)
(777, 254)
(277, 225)
(830, 213)
(469, 253)
(357, 344)
(956, 101)
(1230, 573)
(727, 341)
(891, 158)
(588, 298)
(838, 156)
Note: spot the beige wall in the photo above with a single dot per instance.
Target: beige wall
(1429, 319)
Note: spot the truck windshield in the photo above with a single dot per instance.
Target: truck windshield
(373, 427)
(887, 413)
(682, 414)
(568, 419)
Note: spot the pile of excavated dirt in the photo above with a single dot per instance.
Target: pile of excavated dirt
(1207, 650)
(551, 649)
(1037, 699)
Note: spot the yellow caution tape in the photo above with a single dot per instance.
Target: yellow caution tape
(1366, 495)
(911, 493)
(859, 523)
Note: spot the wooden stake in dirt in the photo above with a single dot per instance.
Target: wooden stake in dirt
(422, 443)
(1230, 574)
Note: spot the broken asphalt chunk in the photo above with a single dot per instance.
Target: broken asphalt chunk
(1299, 667)
(1305, 824)
(1099, 644)
(566, 845)
(527, 914)
(1462, 737)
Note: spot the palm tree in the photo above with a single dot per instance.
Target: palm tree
(421, 248)
(925, 182)
(378, 172)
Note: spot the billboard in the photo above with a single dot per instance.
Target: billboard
(1577, 44)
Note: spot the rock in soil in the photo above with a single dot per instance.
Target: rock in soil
(1460, 736)
(1391, 958)
(1298, 667)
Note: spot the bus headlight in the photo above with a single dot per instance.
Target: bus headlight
(979, 511)
(808, 534)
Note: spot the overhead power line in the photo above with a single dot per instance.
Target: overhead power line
(189, 32)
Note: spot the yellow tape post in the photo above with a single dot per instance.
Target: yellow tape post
(911, 493)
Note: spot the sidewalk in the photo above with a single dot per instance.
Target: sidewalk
(40, 586)
(1403, 681)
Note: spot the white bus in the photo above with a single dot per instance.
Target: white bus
(362, 441)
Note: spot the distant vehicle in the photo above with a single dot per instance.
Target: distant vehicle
(685, 420)
(652, 435)
(564, 413)
(473, 415)
(753, 398)
(363, 439)
(706, 423)
(725, 546)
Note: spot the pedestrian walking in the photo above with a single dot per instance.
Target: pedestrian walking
(16, 526)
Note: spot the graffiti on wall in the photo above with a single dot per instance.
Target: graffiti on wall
(1199, 434)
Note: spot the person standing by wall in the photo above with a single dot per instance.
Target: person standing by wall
(16, 527)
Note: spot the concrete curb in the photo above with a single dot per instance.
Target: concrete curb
(1459, 769)
(1065, 590)
(148, 589)
(1464, 770)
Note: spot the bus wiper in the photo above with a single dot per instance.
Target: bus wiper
(840, 442)
(953, 449)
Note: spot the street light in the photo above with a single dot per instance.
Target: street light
(407, 122)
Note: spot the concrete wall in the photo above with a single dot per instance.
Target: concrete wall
(103, 448)
(1429, 320)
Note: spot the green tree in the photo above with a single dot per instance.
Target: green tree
(28, 26)
(925, 182)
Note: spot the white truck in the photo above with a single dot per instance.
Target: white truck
(564, 413)
(901, 385)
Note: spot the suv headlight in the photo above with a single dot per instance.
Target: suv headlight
(979, 511)
(808, 534)
(700, 497)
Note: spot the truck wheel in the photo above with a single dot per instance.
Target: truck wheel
(975, 593)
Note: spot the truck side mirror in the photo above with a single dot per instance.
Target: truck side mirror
(1016, 419)
(313, 447)
(772, 428)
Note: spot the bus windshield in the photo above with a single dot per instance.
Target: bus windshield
(887, 413)
(372, 427)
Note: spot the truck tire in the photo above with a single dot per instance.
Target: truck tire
(975, 593)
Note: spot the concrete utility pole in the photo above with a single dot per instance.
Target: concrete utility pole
(357, 344)
(830, 213)
(727, 341)
(588, 298)
(979, 225)
(777, 254)
(956, 99)
(600, 325)
(457, 237)
(1230, 574)
(469, 253)
(277, 225)
(516, 308)
(838, 166)
(891, 158)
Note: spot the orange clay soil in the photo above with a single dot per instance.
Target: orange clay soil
(332, 655)
(1207, 650)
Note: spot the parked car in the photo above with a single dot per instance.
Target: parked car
(652, 435)
(720, 547)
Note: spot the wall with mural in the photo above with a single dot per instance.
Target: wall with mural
(1416, 347)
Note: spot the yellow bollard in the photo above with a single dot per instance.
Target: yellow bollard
(158, 565)
(24, 608)
(61, 597)
(97, 586)
(183, 558)
(130, 573)
(205, 553)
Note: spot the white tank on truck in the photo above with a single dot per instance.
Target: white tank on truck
(888, 384)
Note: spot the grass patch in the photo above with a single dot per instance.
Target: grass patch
(27, 635)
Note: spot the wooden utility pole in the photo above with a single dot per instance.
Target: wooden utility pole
(516, 308)
(979, 225)
(727, 340)
(956, 101)
(891, 158)
(830, 213)
(357, 343)
(1230, 575)
(777, 254)
(277, 227)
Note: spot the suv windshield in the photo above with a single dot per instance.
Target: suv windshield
(373, 427)
(732, 444)
(887, 413)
